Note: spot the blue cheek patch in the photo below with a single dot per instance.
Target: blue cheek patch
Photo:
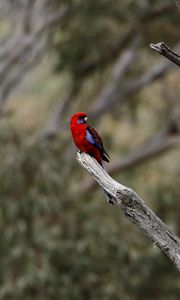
(80, 121)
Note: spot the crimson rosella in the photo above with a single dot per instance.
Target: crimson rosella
(88, 141)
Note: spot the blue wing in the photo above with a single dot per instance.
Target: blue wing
(93, 138)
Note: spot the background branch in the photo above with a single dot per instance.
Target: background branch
(177, 3)
(120, 67)
(135, 210)
(132, 86)
(56, 119)
(22, 53)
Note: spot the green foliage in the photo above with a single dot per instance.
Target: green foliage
(95, 28)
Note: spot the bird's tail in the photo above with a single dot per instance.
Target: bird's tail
(105, 156)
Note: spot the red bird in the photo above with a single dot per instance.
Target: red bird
(86, 138)
(88, 141)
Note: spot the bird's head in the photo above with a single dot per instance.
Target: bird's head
(79, 118)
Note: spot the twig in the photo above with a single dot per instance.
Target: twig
(164, 50)
(135, 210)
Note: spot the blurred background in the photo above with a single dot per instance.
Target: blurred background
(59, 239)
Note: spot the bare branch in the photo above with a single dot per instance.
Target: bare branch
(157, 145)
(135, 210)
(164, 50)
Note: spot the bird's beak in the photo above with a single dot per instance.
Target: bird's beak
(85, 119)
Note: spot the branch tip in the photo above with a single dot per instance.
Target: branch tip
(166, 51)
